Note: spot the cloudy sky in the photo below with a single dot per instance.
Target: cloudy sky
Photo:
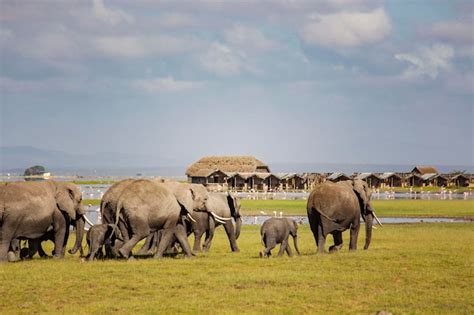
(352, 81)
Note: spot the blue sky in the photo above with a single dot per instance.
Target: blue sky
(356, 81)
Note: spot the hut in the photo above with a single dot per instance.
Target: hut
(422, 170)
(432, 179)
(236, 181)
(391, 180)
(337, 177)
(200, 171)
(370, 178)
(313, 179)
(272, 182)
(460, 180)
(413, 180)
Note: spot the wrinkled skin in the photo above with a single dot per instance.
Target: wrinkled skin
(100, 236)
(225, 206)
(29, 209)
(335, 207)
(277, 231)
(190, 197)
(146, 207)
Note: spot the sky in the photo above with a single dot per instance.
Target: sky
(330, 81)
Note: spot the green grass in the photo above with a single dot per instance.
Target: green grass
(94, 182)
(92, 202)
(419, 268)
(396, 208)
(458, 189)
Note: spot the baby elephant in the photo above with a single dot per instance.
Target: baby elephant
(101, 235)
(276, 231)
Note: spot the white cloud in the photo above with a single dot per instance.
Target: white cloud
(427, 61)
(140, 46)
(166, 84)
(461, 32)
(222, 60)
(109, 15)
(347, 29)
(248, 38)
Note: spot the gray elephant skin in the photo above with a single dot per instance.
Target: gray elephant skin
(146, 207)
(221, 208)
(101, 236)
(335, 207)
(277, 231)
(28, 210)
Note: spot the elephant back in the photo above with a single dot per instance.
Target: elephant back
(108, 204)
(329, 198)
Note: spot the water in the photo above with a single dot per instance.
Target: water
(97, 191)
(92, 213)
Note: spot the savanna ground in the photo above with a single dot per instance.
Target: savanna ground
(417, 268)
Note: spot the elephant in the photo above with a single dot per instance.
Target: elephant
(145, 207)
(277, 231)
(191, 197)
(335, 207)
(220, 209)
(29, 209)
(100, 236)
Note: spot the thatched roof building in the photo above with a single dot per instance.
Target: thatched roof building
(422, 170)
(227, 164)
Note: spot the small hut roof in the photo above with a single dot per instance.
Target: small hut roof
(366, 175)
(227, 164)
(337, 175)
(428, 176)
(388, 175)
(424, 170)
(460, 175)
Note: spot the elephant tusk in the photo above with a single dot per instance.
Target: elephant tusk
(191, 217)
(87, 220)
(220, 218)
(377, 219)
(220, 221)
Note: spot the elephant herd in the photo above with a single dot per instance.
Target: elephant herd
(164, 213)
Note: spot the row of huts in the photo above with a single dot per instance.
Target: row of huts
(248, 173)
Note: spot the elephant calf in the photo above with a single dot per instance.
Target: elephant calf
(101, 235)
(277, 231)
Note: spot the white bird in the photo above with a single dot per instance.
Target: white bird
(274, 213)
(263, 212)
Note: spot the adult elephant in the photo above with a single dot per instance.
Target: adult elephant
(335, 207)
(29, 210)
(192, 198)
(220, 209)
(146, 207)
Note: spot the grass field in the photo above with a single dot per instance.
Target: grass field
(383, 208)
(420, 268)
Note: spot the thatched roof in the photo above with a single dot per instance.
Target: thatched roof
(227, 164)
(424, 170)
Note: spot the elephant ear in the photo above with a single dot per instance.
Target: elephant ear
(64, 200)
(361, 190)
(184, 198)
(234, 205)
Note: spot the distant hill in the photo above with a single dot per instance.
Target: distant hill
(16, 159)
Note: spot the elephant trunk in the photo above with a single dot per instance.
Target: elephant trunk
(80, 223)
(369, 219)
(238, 225)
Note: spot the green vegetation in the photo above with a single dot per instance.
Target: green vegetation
(92, 202)
(419, 268)
(94, 182)
(392, 208)
(457, 189)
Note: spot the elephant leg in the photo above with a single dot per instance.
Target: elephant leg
(337, 236)
(5, 241)
(288, 249)
(270, 244)
(229, 229)
(167, 237)
(354, 234)
(140, 230)
(59, 228)
(147, 246)
(321, 239)
(209, 234)
(283, 246)
(314, 224)
(197, 240)
(93, 252)
(180, 233)
(41, 252)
